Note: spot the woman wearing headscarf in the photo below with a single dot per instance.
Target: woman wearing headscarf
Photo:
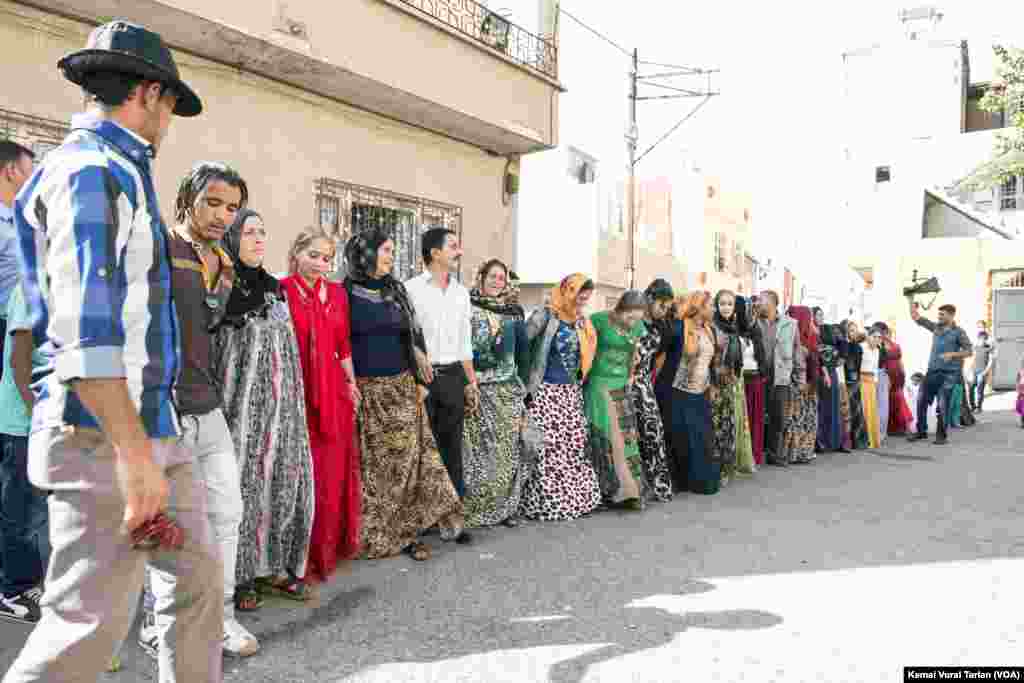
(830, 419)
(658, 297)
(882, 383)
(727, 419)
(492, 448)
(406, 488)
(755, 370)
(256, 362)
(900, 414)
(801, 410)
(853, 354)
(685, 391)
(320, 314)
(613, 446)
(562, 484)
(869, 386)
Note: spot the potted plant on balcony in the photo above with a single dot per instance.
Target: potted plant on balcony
(494, 31)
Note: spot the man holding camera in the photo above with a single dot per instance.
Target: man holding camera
(950, 347)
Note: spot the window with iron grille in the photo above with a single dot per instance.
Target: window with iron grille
(719, 254)
(1008, 194)
(37, 134)
(344, 209)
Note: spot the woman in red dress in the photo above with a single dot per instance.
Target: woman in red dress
(320, 314)
(899, 412)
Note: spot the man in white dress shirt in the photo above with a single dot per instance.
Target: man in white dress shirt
(443, 309)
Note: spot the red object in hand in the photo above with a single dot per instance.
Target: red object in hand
(159, 532)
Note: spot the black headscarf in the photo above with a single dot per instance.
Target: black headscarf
(506, 303)
(733, 355)
(660, 290)
(748, 328)
(252, 285)
(361, 266)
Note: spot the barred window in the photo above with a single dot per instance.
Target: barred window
(1008, 193)
(344, 209)
(37, 134)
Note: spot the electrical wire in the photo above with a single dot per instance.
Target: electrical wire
(597, 33)
(672, 129)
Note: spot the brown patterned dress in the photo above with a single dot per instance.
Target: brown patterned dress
(406, 488)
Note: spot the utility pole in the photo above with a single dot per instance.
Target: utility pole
(632, 137)
(654, 80)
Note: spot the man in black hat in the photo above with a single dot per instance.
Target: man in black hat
(104, 440)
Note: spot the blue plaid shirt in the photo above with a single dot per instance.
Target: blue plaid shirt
(97, 276)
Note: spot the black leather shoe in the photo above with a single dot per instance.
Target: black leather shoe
(917, 437)
(941, 440)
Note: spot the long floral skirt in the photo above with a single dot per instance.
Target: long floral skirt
(260, 373)
(723, 422)
(563, 485)
(844, 414)
(744, 448)
(859, 439)
(869, 399)
(492, 455)
(753, 387)
(406, 488)
(651, 432)
(800, 431)
(612, 445)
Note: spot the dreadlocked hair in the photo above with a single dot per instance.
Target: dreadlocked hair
(195, 183)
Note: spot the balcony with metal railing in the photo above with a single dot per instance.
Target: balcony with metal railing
(451, 67)
(494, 30)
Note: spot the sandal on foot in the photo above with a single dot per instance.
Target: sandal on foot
(247, 599)
(418, 551)
(289, 587)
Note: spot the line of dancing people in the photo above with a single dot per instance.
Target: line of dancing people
(208, 435)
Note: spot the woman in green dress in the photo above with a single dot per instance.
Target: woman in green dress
(613, 444)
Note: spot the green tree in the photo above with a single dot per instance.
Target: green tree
(1006, 94)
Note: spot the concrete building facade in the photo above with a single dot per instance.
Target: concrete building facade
(909, 139)
(403, 113)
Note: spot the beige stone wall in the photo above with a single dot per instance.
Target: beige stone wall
(280, 138)
(962, 266)
(382, 41)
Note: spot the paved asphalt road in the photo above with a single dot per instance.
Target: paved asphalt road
(844, 570)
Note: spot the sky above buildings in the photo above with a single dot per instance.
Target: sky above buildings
(775, 129)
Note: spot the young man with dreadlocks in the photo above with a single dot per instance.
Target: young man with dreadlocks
(209, 198)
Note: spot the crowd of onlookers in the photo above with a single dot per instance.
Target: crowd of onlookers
(176, 421)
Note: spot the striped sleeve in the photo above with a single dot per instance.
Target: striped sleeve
(69, 225)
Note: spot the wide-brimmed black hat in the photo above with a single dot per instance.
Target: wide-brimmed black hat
(123, 47)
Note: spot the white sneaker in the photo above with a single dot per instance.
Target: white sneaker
(238, 642)
(149, 637)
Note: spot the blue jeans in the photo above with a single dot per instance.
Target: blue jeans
(24, 521)
(978, 389)
(937, 384)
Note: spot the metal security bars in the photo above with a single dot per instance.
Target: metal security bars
(38, 134)
(343, 209)
(476, 21)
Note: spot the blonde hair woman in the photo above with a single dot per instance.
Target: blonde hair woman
(320, 314)
(685, 388)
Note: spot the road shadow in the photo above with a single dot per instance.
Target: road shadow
(626, 629)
